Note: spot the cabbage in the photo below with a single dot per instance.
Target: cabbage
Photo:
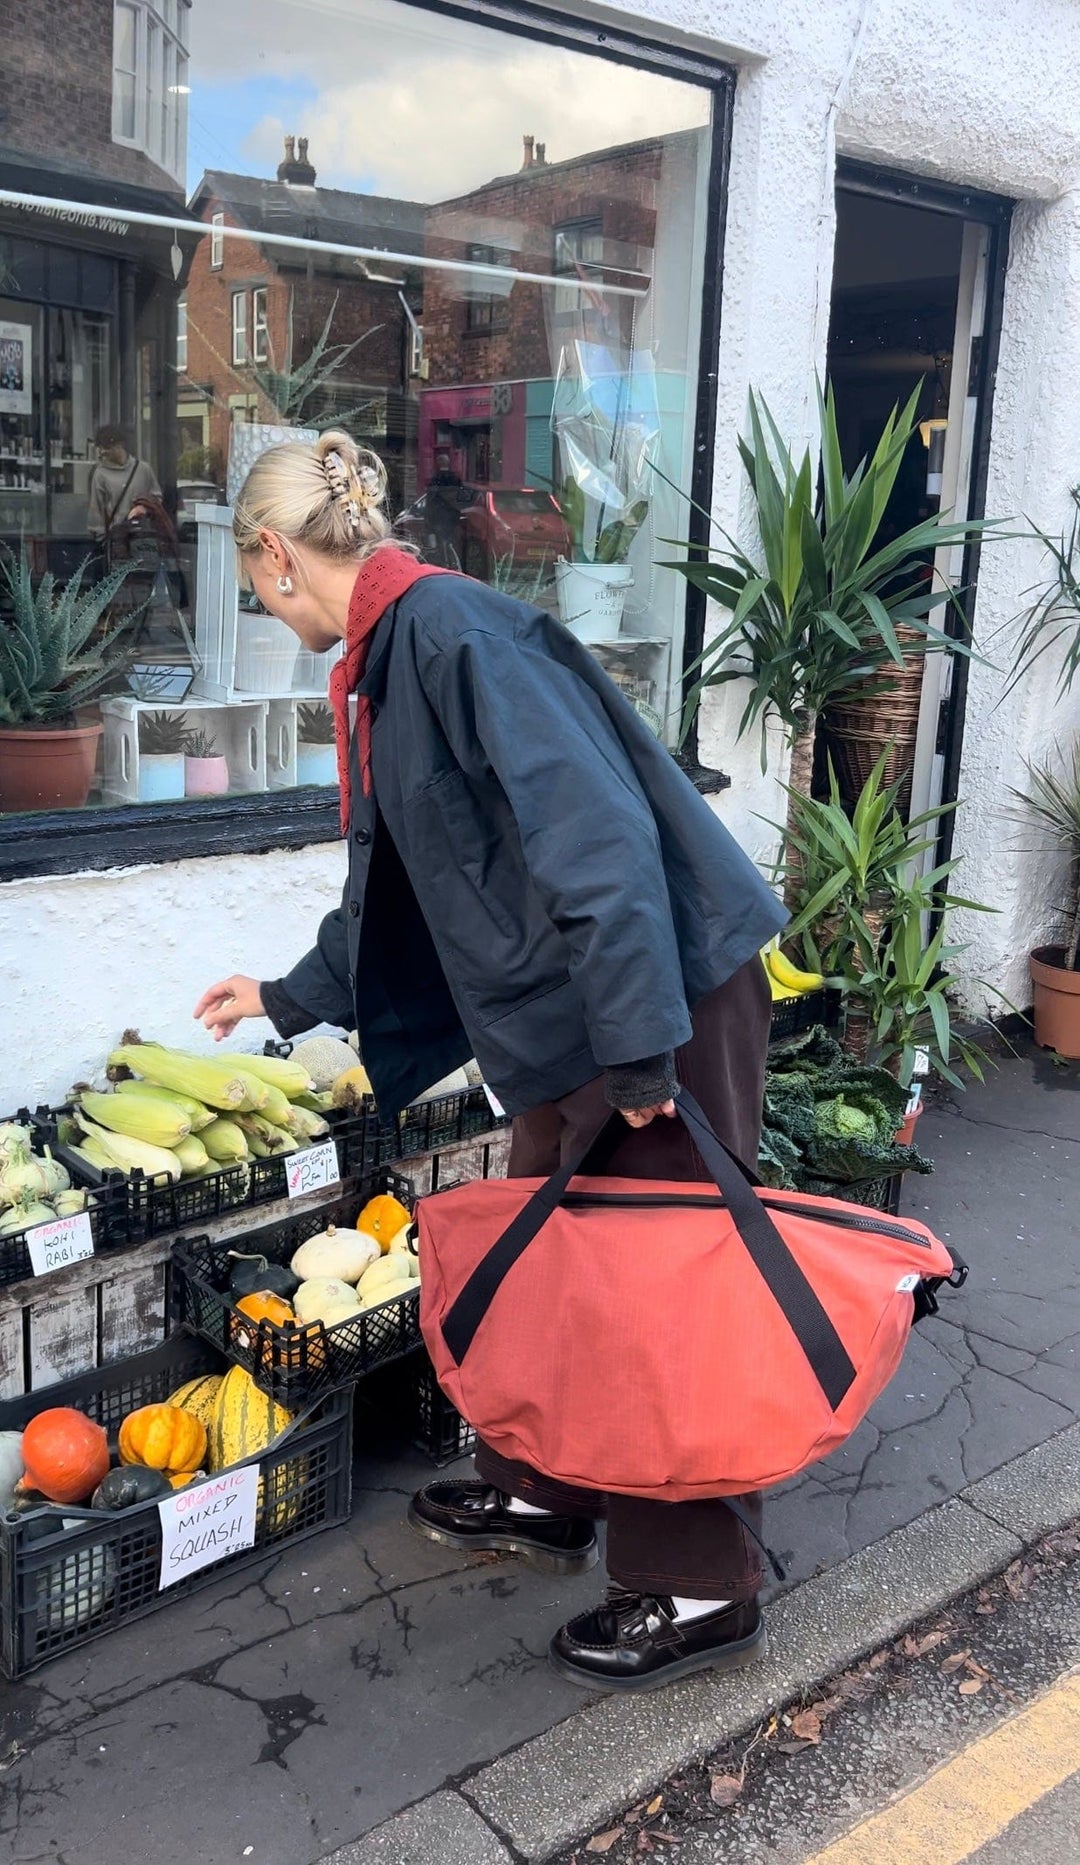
(846, 1122)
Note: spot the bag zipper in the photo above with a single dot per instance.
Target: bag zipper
(883, 1226)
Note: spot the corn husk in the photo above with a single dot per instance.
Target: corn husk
(208, 1079)
(225, 1142)
(138, 1117)
(126, 1154)
(290, 1077)
(197, 1112)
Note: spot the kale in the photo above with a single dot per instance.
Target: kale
(815, 1095)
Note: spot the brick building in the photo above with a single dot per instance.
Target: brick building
(254, 313)
(95, 113)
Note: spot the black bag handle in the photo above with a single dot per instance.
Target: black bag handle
(815, 1333)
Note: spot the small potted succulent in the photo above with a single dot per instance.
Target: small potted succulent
(59, 649)
(162, 745)
(206, 771)
(316, 752)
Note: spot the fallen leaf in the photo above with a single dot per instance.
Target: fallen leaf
(986, 1606)
(971, 1686)
(977, 1670)
(793, 1748)
(827, 1705)
(724, 1789)
(918, 1647)
(654, 1806)
(879, 1658)
(603, 1842)
(807, 1725)
(954, 1662)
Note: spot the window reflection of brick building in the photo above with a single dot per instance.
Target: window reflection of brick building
(256, 312)
(492, 350)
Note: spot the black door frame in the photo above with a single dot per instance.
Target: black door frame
(994, 212)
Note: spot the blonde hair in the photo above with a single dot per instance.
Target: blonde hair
(325, 496)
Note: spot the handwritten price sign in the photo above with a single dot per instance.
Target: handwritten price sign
(54, 1246)
(311, 1170)
(207, 1523)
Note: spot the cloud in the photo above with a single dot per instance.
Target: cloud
(441, 105)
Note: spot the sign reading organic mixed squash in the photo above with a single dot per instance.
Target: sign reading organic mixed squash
(207, 1522)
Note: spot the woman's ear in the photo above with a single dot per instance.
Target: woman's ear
(275, 551)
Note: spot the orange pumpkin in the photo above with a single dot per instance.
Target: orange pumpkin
(382, 1217)
(263, 1305)
(179, 1479)
(164, 1438)
(65, 1455)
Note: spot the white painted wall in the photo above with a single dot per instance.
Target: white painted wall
(989, 97)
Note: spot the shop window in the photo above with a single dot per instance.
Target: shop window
(239, 327)
(139, 367)
(260, 334)
(150, 80)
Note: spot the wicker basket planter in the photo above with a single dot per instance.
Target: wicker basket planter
(885, 713)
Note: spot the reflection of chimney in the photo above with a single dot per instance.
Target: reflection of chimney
(529, 142)
(541, 155)
(296, 169)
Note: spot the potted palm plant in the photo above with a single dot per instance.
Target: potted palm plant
(293, 393)
(316, 751)
(1052, 802)
(206, 771)
(162, 741)
(815, 610)
(59, 649)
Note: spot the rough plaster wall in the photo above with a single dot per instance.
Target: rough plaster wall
(88, 955)
(939, 87)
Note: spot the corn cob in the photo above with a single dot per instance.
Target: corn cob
(257, 1127)
(318, 1103)
(192, 1155)
(308, 1126)
(128, 1155)
(256, 1091)
(225, 1142)
(199, 1115)
(138, 1117)
(209, 1079)
(270, 1103)
(290, 1077)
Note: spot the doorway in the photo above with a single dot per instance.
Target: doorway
(917, 286)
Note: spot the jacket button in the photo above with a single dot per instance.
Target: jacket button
(362, 836)
(354, 909)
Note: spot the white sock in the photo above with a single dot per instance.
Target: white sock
(517, 1507)
(696, 1608)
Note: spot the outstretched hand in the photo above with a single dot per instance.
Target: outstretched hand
(226, 1004)
(641, 1116)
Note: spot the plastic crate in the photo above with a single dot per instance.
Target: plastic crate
(136, 1207)
(62, 1591)
(296, 1362)
(879, 1194)
(792, 1015)
(423, 1127)
(439, 1427)
(103, 1207)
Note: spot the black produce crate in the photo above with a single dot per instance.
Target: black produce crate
(424, 1127)
(138, 1207)
(792, 1015)
(879, 1194)
(439, 1428)
(296, 1362)
(60, 1590)
(104, 1208)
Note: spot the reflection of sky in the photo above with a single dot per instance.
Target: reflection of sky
(402, 101)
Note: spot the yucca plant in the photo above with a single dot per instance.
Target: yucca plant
(1053, 802)
(291, 390)
(815, 610)
(58, 647)
(315, 725)
(1053, 619)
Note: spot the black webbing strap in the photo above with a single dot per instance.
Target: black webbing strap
(825, 1351)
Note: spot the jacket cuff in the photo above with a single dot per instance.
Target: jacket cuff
(287, 1016)
(640, 1084)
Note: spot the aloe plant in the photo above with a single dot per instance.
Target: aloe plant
(315, 725)
(815, 610)
(290, 390)
(162, 734)
(57, 649)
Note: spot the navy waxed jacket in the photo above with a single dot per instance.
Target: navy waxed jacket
(533, 881)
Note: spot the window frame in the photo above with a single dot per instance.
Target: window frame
(241, 354)
(159, 50)
(72, 841)
(182, 334)
(260, 324)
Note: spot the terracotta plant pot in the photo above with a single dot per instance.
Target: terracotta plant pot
(905, 1132)
(206, 777)
(1057, 1002)
(47, 767)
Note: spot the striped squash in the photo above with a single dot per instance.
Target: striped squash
(245, 1421)
(198, 1396)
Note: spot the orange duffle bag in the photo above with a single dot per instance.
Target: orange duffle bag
(667, 1339)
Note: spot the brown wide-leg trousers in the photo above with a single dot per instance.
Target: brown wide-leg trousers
(697, 1549)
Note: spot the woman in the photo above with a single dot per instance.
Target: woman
(534, 882)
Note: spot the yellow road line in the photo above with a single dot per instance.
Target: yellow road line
(976, 1795)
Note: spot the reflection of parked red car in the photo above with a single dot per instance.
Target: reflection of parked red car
(484, 526)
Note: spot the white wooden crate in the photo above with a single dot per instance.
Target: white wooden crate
(217, 598)
(238, 729)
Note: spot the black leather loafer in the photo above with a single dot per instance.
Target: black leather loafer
(474, 1517)
(634, 1642)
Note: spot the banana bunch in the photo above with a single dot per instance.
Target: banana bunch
(785, 979)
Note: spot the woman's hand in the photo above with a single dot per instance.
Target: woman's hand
(641, 1116)
(226, 1004)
